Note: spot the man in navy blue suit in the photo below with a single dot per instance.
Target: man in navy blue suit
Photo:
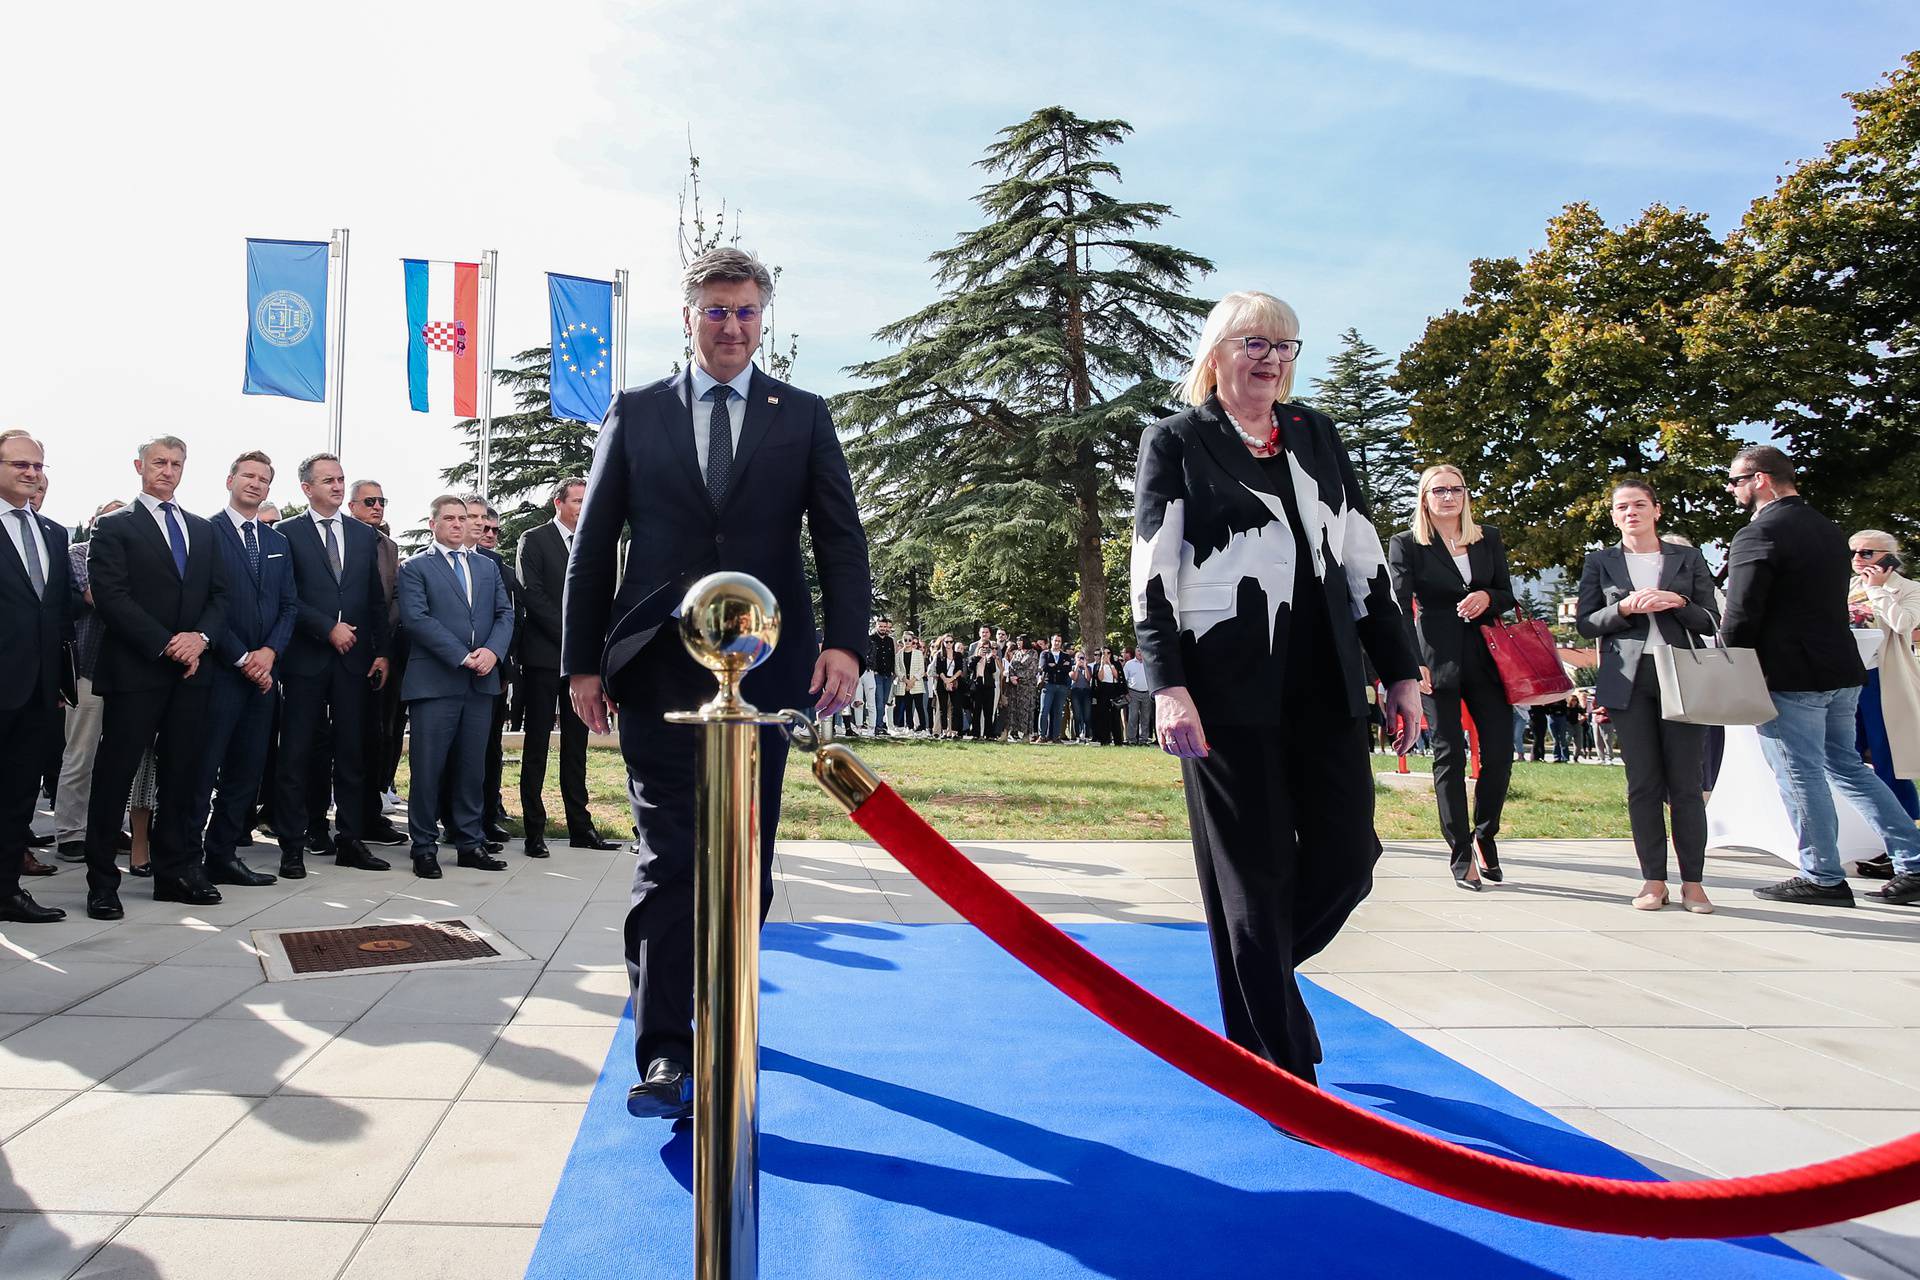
(454, 606)
(338, 651)
(36, 622)
(712, 469)
(260, 612)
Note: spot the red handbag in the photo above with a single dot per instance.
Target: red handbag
(1528, 661)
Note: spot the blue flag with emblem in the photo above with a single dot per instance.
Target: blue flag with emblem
(287, 319)
(582, 373)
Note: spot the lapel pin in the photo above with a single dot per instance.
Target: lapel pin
(773, 399)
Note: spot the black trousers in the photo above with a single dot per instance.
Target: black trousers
(239, 717)
(377, 765)
(492, 806)
(661, 762)
(172, 720)
(23, 735)
(1663, 771)
(1283, 838)
(1486, 701)
(546, 696)
(336, 698)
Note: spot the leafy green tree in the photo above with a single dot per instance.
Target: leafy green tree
(1010, 412)
(1559, 372)
(1817, 334)
(532, 449)
(1358, 395)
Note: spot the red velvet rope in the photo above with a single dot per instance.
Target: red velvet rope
(1765, 1204)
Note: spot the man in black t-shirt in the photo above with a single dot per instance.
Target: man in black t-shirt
(1056, 672)
(880, 659)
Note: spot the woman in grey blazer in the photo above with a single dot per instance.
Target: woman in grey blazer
(1634, 598)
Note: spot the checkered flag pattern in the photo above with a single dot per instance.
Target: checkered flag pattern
(444, 335)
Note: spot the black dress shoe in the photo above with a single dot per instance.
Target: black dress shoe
(479, 860)
(72, 851)
(1805, 892)
(496, 834)
(426, 866)
(32, 866)
(19, 907)
(234, 871)
(1471, 886)
(594, 840)
(41, 841)
(495, 846)
(666, 1093)
(195, 893)
(536, 848)
(351, 853)
(104, 906)
(293, 864)
(142, 872)
(1880, 868)
(385, 834)
(1489, 860)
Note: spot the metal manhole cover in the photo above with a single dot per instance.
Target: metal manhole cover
(318, 953)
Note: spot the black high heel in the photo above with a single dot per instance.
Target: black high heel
(1489, 860)
(1471, 886)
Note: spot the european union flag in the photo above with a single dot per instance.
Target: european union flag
(582, 372)
(287, 319)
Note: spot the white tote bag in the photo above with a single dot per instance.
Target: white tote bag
(1701, 685)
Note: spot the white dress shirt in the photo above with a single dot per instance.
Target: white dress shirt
(702, 415)
(152, 504)
(15, 532)
(566, 534)
(339, 522)
(1136, 675)
(1644, 569)
(461, 570)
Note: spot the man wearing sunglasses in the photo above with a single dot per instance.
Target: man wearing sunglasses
(386, 714)
(1788, 575)
(714, 468)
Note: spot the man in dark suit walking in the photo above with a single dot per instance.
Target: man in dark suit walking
(260, 611)
(1788, 573)
(160, 588)
(36, 623)
(543, 583)
(712, 469)
(454, 605)
(338, 651)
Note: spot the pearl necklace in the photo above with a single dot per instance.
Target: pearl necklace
(1267, 445)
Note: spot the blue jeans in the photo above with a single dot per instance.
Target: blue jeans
(1083, 714)
(882, 689)
(1810, 743)
(1053, 710)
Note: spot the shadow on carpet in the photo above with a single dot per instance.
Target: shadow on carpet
(929, 1108)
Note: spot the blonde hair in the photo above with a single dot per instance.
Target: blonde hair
(1423, 523)
(1274, 318)
(1878, 535)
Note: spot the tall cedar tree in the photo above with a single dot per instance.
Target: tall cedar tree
(1358, 395)
(1008, 419)
(1818, 335)
(532, 449)
(1557, 373)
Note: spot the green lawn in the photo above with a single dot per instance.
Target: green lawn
(1006, 791)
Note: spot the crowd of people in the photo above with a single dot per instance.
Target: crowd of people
(199, 681)
(1000, 689)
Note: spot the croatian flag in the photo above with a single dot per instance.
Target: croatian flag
(443, 336)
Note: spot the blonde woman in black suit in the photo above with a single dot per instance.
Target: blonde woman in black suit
(1455, 571)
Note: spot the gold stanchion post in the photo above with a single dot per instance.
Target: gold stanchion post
(729, 623)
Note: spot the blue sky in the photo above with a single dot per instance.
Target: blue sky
(1353, 161)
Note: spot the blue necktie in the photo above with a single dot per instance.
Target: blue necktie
(460, 571)
(719, 444)
(253, 549)
(177, 537)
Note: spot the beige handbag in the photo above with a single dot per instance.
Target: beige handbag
(1701, 685)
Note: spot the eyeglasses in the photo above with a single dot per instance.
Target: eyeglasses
(1449, 491)
(371, 502)
(1734, 482)
(1285, 351)
(489, 528)
(745, 315)
(1871, 551)
(27, 468)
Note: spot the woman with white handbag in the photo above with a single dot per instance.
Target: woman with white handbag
(1634, 598)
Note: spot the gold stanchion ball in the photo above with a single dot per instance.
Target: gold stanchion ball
(730, 622)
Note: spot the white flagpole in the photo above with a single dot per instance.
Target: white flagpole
(337, 342)
(619, 379)
(490, 278)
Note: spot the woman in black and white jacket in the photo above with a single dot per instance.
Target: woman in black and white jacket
(1258, 584)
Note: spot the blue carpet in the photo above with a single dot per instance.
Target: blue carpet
(932, 1109)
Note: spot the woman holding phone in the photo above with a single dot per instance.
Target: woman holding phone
(1889, 712)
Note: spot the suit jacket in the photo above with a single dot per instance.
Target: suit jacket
(35, 630)
(543, 587)
(1605, 581)
(1450, 646)
(510, 661)
(646, 478)
(143, 601)
(1213, 574)
(443, 628)
(259, 614)
(1788, 573)
(356, 599)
